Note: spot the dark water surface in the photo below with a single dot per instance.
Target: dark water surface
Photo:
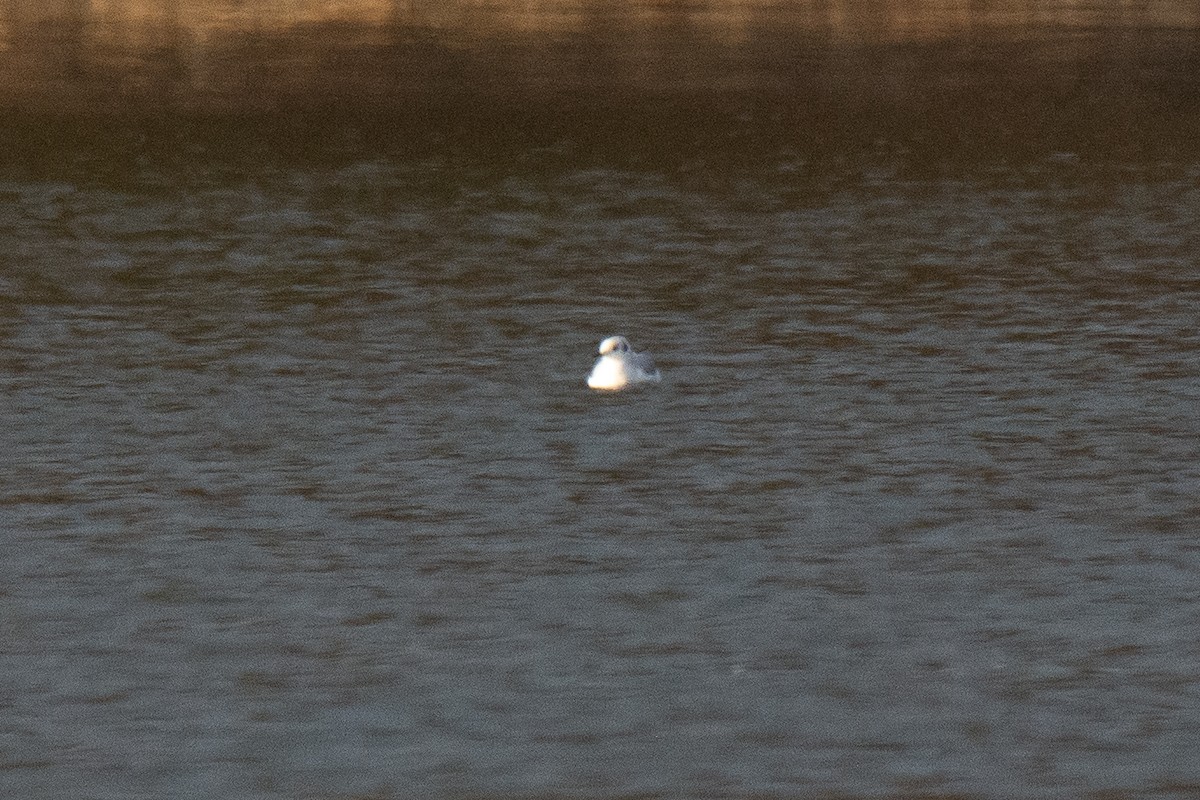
(303, 495)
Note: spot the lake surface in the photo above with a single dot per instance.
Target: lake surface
(303, 495)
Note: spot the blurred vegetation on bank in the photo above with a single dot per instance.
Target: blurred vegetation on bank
(656, 80)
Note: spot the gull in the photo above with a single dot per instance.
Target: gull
(618, 367)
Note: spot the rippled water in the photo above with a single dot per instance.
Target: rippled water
(303, 494)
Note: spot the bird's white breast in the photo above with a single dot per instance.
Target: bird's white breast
(608, 373)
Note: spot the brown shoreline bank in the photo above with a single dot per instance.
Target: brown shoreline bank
(722, 79)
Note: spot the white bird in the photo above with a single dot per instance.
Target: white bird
(619, 367)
